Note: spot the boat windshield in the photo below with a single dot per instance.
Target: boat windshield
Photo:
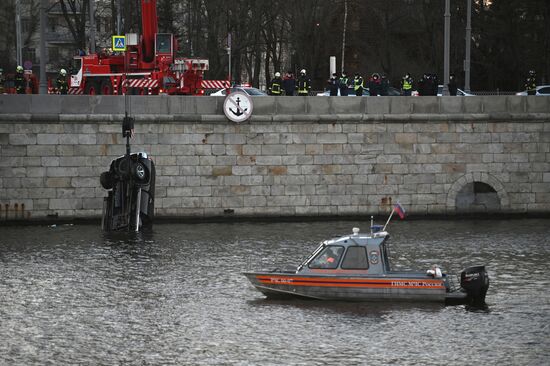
(328, 258)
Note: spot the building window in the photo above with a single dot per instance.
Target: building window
(52, 23)
(53, 53)
(25, 25)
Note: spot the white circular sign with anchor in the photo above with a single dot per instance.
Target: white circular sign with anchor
(237, 107)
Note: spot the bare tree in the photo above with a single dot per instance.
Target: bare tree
(7, 38)
(508, 36)
(75, 15)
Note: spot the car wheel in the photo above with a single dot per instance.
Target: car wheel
(141, 173)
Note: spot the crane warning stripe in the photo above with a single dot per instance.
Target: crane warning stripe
(141, 83)
(214, 84)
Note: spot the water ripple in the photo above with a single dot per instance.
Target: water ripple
(176, 296)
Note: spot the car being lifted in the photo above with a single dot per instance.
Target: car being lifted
(130, 181)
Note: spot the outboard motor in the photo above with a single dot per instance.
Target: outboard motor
(129, 204)
(475, 281)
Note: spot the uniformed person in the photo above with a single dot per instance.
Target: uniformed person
(358, 85)
(19, 80)
(275, 85)
(406, 85)
(333, 85)
(304, 84)
(531, 83)
(62, 85)
(344, 84)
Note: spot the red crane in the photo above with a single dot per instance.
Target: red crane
(148, 65)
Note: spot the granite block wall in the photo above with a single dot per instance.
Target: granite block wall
(280, 164)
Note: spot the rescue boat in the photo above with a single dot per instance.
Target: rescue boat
(356, 267)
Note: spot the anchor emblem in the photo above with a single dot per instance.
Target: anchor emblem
(239, 111)
(237, 107)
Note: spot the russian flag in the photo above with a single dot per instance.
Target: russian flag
(400, 210)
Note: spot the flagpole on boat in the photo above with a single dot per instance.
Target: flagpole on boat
(389, 218)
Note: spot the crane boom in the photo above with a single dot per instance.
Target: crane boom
(148, 66)
(149, 25)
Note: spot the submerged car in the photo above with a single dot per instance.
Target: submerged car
(254, 92)
(130, 182)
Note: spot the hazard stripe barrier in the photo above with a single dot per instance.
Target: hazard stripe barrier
(141, 83)
(214, 84)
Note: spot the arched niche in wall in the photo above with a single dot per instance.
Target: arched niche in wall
(477, 192)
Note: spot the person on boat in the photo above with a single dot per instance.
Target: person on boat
(435, 272)
(329, 259)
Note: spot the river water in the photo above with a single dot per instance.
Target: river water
(176, 296)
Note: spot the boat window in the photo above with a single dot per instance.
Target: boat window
(356, 258)
(328, 258)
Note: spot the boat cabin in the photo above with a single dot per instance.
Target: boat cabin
(356, 253)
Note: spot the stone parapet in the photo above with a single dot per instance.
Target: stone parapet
(189, 108)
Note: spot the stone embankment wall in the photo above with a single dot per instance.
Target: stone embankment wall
(311, 156)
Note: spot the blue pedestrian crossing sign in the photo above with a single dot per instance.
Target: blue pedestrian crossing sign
(119, 43)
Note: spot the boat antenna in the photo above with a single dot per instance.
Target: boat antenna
(371, 223)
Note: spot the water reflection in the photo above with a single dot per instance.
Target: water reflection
(356, 309)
